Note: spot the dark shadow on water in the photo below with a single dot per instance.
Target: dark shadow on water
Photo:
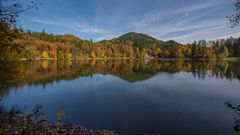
(17, 121)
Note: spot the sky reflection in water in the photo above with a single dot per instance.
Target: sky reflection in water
(130, 96)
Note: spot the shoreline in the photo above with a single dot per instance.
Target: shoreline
(160, 59)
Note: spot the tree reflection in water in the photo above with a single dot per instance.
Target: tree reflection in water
(45, 72)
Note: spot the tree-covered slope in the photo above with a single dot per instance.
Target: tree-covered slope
(137, 39)
(41, 45)
(132, 36)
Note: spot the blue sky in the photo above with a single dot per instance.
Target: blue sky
(180, 20)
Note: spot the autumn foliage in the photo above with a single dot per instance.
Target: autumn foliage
(40, 45)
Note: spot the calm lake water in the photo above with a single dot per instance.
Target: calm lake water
(130, 96)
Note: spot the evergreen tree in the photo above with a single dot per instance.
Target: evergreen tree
(194, 49)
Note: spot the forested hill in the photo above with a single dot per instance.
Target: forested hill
(41, 45)
(142, 40)
(137, 38)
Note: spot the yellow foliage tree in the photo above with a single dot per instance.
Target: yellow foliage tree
(68, 56)
(44, 55)
(93, 55)
(157, 51)
(179, 53)
(142, 53)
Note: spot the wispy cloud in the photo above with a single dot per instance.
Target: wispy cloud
(89, 29)
(197, 20)
(158, 14)
(198, 6)
(184, 20)
(83, 28)
(234, 34)
(188, 26)
(48, 22)
(185, 36)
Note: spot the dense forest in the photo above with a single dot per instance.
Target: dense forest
(41, 45)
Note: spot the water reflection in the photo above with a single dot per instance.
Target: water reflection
(236, 121)
(129, 95)
(19, 74)
(44, 72)
(10, 74)
(130, 70)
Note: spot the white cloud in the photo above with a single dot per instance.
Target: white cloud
(185, 36)
(191, 26)
(89, 29)
(158, 14)
(186, 14)
(184, 23)
(234, 34)
(198, 6)
(83, 28)
(48, 22)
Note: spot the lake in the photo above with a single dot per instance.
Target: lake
(170, 97)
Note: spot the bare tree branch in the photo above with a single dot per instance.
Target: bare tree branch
(10, 9)
(235, 18)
